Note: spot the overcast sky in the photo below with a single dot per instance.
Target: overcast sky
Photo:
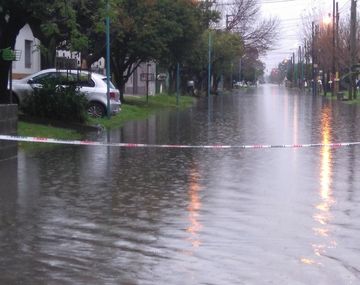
(290, 13)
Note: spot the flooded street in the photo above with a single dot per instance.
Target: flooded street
(102, 215)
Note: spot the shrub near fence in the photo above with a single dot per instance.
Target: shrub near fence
(54, 101)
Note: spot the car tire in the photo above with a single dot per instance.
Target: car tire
(96, 110)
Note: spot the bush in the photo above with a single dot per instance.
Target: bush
(57, 102)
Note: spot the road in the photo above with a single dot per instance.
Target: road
(110, 215)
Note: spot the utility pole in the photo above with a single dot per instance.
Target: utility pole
(240, 66)
(336, 79)
(209, 69)
(300, 67)
(333, 51)
(108, 60)
(303, 67)
(313, 83)
(293, 71)
(352, 90)
(177, 83)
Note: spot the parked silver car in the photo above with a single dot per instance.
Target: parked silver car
(93, 85)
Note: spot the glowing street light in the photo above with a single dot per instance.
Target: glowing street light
(327, 20)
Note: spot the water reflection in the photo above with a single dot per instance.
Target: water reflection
(323, 215)
(158, 216)
(296, 121)
(194, 207)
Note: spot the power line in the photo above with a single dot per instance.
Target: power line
(263, 2)
(345, 7)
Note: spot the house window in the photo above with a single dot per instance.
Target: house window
(28, 53)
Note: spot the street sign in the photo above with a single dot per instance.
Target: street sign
(147, 77)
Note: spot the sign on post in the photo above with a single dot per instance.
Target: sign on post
(8, 54)
(147, 77)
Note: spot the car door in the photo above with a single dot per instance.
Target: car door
(86, 84)
(38, 80)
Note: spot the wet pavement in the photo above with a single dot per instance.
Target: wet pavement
(101, 215)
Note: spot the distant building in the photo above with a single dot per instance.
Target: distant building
(136, 84)
(28, 46)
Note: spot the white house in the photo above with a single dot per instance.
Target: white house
(28, 46)
(136, 84)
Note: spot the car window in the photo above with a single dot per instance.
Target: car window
(79, 79)
(40, 79)
(111, 84)
(66, 78)
(85, 80)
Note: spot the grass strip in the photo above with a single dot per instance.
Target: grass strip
(136, 108)
(47, 131)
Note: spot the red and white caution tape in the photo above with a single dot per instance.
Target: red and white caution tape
(137, 145)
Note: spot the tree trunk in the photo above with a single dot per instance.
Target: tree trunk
(4, 71)
(172, 80)
(118, 77)
(122, 92)
(8, 35)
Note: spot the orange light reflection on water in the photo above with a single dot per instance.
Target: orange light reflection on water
(323, 215)
(194, 207)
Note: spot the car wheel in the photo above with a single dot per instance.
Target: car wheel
(96, 110)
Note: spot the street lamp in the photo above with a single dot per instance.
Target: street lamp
(327, 20)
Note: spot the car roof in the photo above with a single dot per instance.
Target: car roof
(72, 71)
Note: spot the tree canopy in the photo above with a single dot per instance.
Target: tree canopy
(169, 32)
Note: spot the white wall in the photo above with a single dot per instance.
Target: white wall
(135, 84)
(19, 66)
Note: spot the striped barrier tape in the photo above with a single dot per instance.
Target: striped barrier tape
(137, 145)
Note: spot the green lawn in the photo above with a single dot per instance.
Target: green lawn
(135, 108)
(36, 130)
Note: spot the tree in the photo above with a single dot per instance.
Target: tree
(227, 46)
(243, 18)
(200, 16)
(160, 30)
(321, 42)
(190, 23)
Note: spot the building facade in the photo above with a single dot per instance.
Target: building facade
(28, 47)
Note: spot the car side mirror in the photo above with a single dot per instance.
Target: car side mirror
(30, 81)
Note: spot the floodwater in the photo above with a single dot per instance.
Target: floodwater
(101, 215)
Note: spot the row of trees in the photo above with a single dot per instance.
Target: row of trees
(326, 43)
(166, 31)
